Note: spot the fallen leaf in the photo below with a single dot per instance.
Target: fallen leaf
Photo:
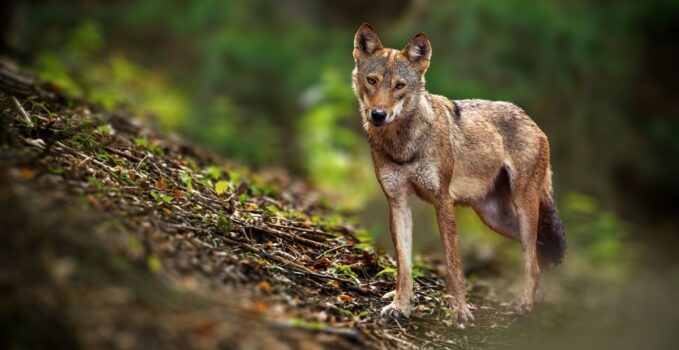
(92, 199)
(186, 179)
(178, 193)
(204, 328)
(324, 262)
(214, 171)
(161, 197)
(224, 224)
(221, 187)
(334, 284)
(345, 298)
(265, 286)
(154, 264)
(82, 110)
(272, 209)
(259, 306)
(26, 174)
(251, 206)
(161, 184)
(190, 283)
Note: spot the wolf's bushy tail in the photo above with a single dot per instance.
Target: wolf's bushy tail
(551, 240)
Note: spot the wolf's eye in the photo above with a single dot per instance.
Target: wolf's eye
(400, 86)
(372, 81)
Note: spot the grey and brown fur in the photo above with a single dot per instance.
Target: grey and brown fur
(487, 155)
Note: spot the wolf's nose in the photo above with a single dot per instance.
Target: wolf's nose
(378, 116)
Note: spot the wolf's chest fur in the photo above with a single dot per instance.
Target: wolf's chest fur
(420, 177)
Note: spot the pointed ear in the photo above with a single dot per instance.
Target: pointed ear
(418, 51)
(366, 42)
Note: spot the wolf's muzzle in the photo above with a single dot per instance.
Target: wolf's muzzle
(378, 117)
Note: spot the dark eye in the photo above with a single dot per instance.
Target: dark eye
(400, 86)
(372, 81)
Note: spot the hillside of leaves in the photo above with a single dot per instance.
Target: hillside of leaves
(117, 236)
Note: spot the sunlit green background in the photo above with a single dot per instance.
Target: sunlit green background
(267, 83)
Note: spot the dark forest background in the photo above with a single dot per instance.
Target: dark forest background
(267, 83)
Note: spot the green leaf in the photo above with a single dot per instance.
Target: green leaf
(205, 181)
(364, 246)
(234, 176)
(389, 270)
(153, 263)
(147, 145)
(134, 246)
(221, 187)
(142, 142)
(214, 171)
(364, 236)
(105, 129)
(272, 209)
(185, 178)
(342, 270)
(56, 170)
(161, 197)
(243, 198)
(297, 322)
(224, 224)
(344, 311)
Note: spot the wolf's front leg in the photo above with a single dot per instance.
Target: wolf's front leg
(401, 234)
(445, 212)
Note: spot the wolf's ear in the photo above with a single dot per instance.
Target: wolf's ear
(418, 51)
(366, 41)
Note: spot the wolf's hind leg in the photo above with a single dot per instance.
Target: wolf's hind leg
(542, 285)
(527, 210)
(496, 209)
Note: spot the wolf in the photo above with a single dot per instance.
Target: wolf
(487, 155)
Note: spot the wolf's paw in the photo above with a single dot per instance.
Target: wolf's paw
(396, 310)
(389, 295)
(461, 313)
(522, 306)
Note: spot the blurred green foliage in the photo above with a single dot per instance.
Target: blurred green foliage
(599, 238)
(84, 69)
(335, 156)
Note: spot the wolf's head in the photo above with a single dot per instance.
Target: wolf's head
(388, 82)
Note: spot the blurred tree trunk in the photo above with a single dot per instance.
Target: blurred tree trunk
(7, 11)
(646, 179)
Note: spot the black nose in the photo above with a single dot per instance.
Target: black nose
(378, 116)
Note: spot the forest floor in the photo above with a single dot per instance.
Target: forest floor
(116, 236)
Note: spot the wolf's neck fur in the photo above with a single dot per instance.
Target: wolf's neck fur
(402, 139)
